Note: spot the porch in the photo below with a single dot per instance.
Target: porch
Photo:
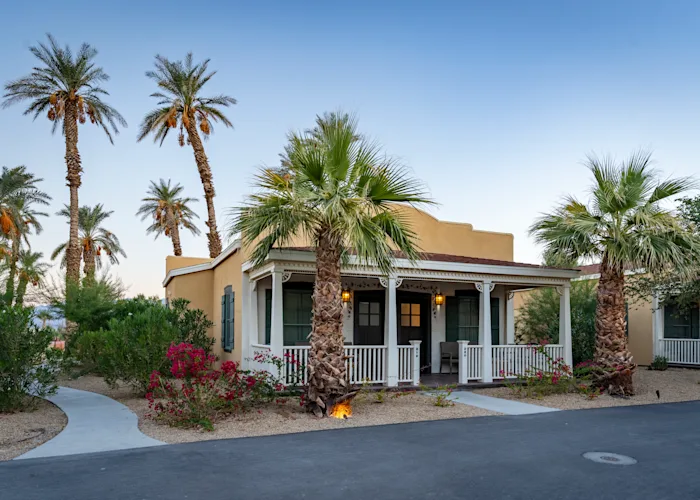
(676, 334)
(396, 327)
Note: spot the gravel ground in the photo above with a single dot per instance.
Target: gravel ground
(285, 418)
(674, 385)
(23, 431)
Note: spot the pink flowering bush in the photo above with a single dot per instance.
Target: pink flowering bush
(196, 394)
(556, 377)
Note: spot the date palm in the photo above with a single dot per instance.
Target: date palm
(339, 190)
(32, 270)
(169, 211)
(94, 240)
(624, 226)
(182, 106)
(67, 88)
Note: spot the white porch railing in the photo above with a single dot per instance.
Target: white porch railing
(515, 360)
(364, 363)
(681, 351)
(469, 362)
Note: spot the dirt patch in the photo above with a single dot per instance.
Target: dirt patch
(285, 418)
(673, 385)
(25, 430)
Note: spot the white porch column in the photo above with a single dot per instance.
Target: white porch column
(510, 319)
(463, 370)
(246, 333)
(485, 329)
(657, 326)
(415, 364)
(392, 351)
(276, 328)
(565, 322)
(252, 312)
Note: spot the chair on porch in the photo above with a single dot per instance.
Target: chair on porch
(449, 352)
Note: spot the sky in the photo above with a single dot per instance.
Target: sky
(494, 105)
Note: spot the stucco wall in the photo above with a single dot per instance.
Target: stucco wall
(228, 273)
(197, 288)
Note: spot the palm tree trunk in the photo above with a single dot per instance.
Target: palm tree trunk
(12, 268)
(327, 381)
(70, 128)
(21, 291)
(611, 353)
(89, 264)
(174, 232)
(208, 183)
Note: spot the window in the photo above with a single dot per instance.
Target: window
(297, 316)
(227, 319)
(679, 325)
(462, 319)
(369, 314)
(410, 314)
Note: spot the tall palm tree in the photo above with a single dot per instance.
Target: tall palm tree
(94, 239)
(169, 211)
(68, 89)
(182, 106)
(624, 226)
(19, 192)
(31, 270)
(339, 190)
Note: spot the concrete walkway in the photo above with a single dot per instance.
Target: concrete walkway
(497, 404)
(95, 423)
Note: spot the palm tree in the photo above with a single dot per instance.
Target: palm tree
(18, 193)
(624, 226)
(169, 211)
(339, 190)
(182, 106)
(94, 239)
(45, 315)
(67, 88)
(31, 270)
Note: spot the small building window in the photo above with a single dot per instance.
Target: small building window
(410, 314)
(369, 314)
(681, 325)
(227, 318)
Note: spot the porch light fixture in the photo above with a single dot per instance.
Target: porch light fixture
(439, 299)
(346, 296)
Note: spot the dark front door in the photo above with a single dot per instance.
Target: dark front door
(414, 323)
(369, 318)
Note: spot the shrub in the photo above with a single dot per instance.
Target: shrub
(134, 342)
(538, 318)
(659, 363)
(200, 393)
(27, 365)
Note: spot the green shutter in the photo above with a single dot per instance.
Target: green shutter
(296, 316)
(223, 321)
(469, 319)
(230, 315)
(451, 319)
(268, 315)
(495, 321)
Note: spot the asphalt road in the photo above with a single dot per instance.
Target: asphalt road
(519, 457)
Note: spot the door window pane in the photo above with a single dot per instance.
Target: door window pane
(374, 307)
(415, 320)
(405, 320)
(415, 308)
(405, 308)
(374, 320)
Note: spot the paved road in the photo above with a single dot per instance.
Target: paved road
(518, 457)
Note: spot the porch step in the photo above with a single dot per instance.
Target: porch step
(505, 406)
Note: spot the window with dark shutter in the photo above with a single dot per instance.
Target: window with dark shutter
(223, 320)
(495, 321)
(227, 318)
(268, 315)
(681, 325)
(462, 318)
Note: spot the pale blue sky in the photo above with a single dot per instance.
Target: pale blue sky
(493, 104)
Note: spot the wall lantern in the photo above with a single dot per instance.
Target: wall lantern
(439, 299)
(346, 296)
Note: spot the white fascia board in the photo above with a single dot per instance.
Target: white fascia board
(431, 265)
(206, 266)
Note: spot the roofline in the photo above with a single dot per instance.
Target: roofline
(206, 266)
(432, 265)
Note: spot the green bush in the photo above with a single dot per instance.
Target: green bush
(27, 365)
(135, 341)
(538, 318)
(659, 363)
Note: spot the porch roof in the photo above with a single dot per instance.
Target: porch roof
(430, 267)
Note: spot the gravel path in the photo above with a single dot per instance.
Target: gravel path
(285, 418)
(23, 431)
(674, 385)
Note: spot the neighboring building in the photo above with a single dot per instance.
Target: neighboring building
(461, 290)
(655, 330)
